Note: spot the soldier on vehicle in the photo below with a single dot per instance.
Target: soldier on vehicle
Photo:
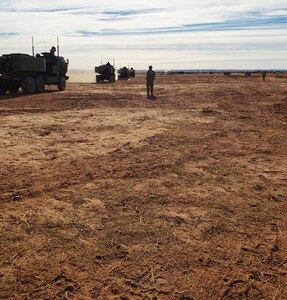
(53, 51)
(150, 77)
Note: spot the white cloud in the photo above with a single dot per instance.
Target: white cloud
(169, 34)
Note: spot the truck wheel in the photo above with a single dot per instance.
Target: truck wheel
(40, 84)
(3, 90)
(13, 90)
(28, 85)
(62, 84)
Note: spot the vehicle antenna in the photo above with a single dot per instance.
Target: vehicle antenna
(58, 46)
(33, 47)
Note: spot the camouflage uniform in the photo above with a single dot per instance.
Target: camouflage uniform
(150, 77)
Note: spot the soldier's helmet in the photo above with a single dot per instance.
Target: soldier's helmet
(150, 67)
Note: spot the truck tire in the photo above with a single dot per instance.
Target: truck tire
(40, 84)
(13, 89)
(62, 84)
(3, 88)
(28, 85)
(3, 91)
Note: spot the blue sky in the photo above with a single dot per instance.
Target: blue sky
(168, 34)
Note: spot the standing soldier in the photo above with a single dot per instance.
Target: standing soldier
(264, 75)
(150, 77)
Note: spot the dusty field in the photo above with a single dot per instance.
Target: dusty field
(108, 195)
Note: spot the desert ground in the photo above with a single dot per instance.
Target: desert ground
(106, 194)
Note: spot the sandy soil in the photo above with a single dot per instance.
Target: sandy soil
(108, 195)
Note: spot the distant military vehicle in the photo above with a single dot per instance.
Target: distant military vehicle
(124, 73)
(105, 73)
(30, 73)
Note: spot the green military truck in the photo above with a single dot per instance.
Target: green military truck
(32, 73)
(105, 73)
(126, 74)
